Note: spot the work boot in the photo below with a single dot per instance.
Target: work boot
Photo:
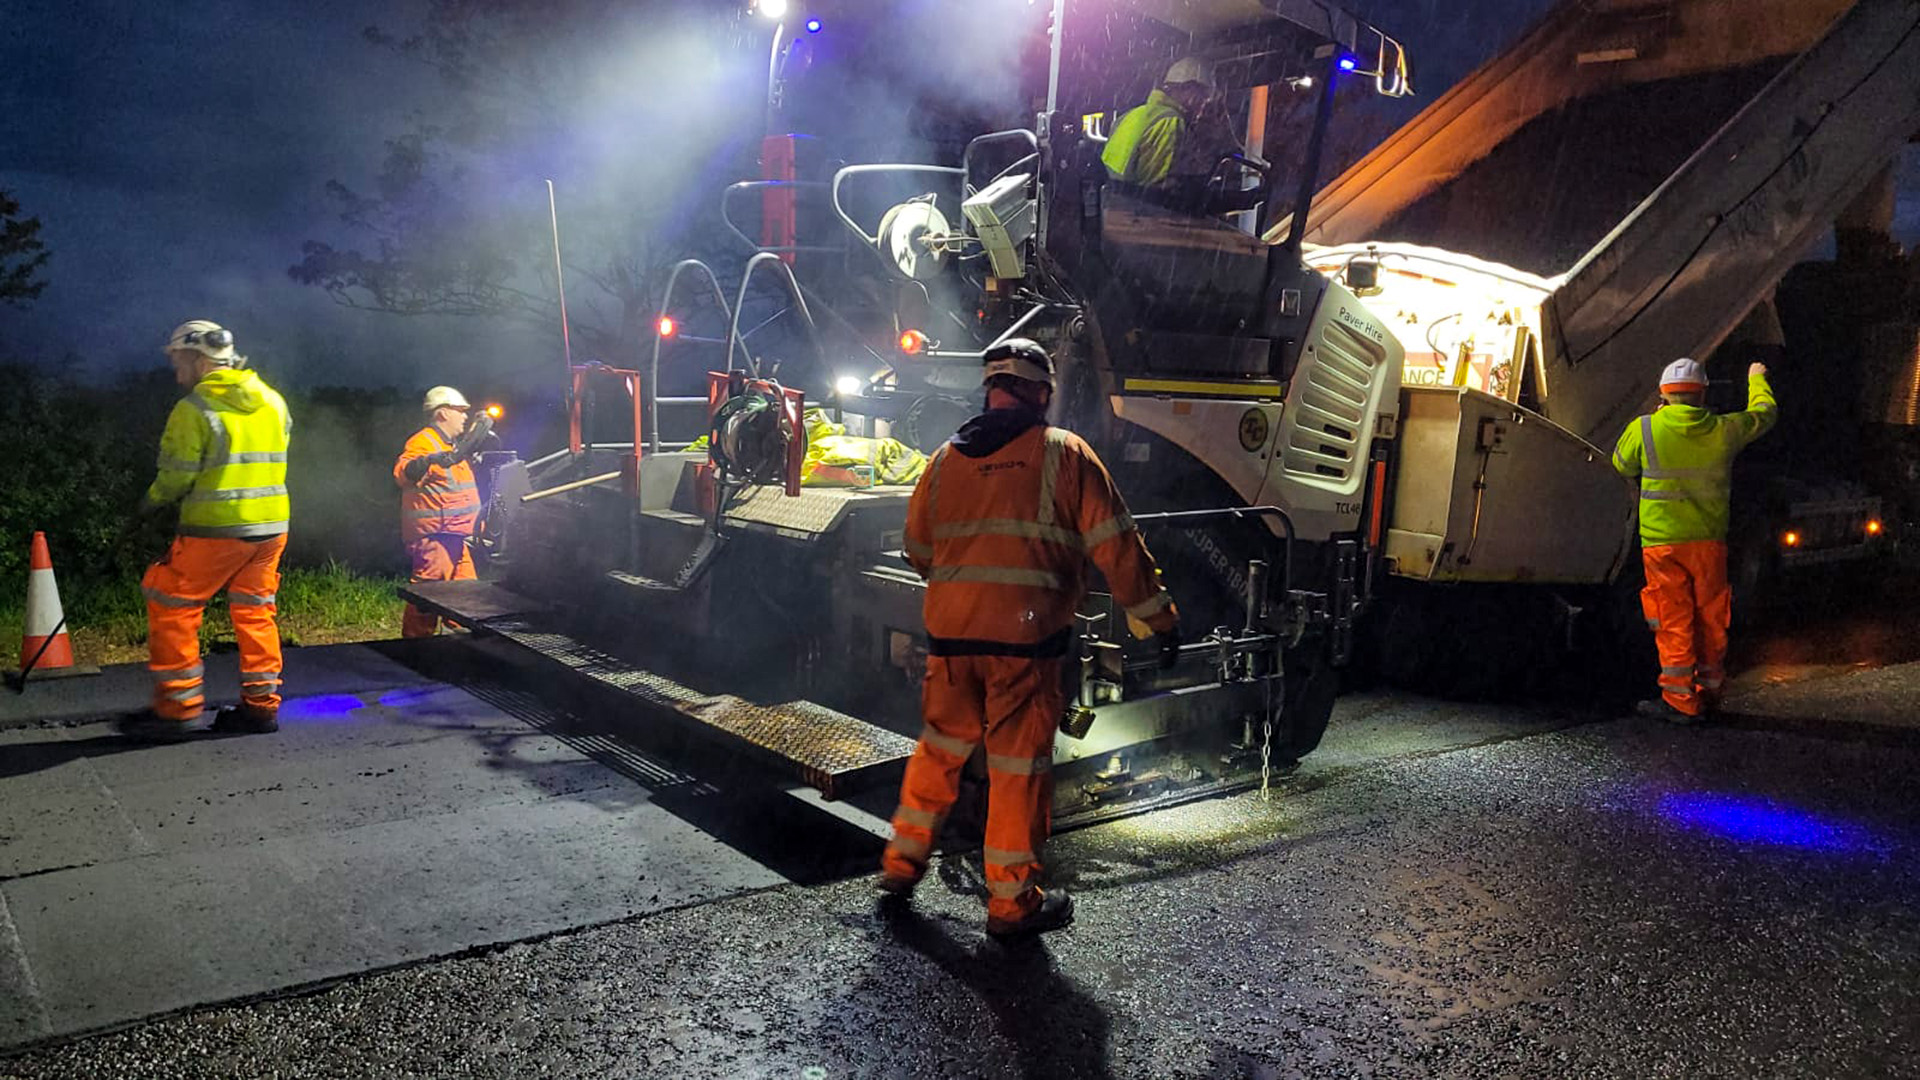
(246, 720)
(891, 885)
(149, 726)
(1661, 709)
(1054, 912)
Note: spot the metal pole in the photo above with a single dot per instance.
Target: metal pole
(563, 488)
(1316, 148)
(560, 282)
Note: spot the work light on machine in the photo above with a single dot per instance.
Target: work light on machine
(1874, 528)
(848, 385)
(1790, 538)
(913, 342)
(772, 9)
(495, 411)
(667, 327)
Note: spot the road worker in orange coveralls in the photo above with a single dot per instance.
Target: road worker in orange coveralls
(439, 501)
(1001, 525)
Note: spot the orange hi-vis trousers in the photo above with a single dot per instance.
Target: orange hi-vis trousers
(1689, 606)
(1014, 705)
(178, 588)
(438, 557)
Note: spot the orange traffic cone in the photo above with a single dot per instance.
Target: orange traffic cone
(45, 649)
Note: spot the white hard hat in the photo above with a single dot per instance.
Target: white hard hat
(1190, 69)
(1021, 358)
(444, 395)
(1684, 374)
(209, 339)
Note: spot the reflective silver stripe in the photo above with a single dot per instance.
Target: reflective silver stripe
(1146, 609)
(230, 494)
(911, 846)
(1620, 463)
(468, 485)
(933, 482)
(1025, 530)
(166, 599)
(959, 748)
(185, 694)
(1019, 766)
(1665, 496)
(221, 442)
(1647, 452)
(922, 819)
(1050, 474)
(1677, 672)
(999, 575)
(1002, 857)
(1705, 472)
(1653, 624)
(1007, 890)
(235, 596)
(174, 464)
(919, 550)
(1711, 682)
(194, 672)
(258, 528)
(254, 457)
(1116, 525)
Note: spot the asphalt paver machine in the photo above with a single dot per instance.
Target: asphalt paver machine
(1246, 404)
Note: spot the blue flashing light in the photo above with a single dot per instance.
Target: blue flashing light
(1348, 63)
(319, 709)
(814, 25)
(1751, 820)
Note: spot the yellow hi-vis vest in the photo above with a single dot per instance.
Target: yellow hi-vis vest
(224, 457)
(1683, 456)
(1141, 148)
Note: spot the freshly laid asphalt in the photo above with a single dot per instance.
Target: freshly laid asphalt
(1444, 889)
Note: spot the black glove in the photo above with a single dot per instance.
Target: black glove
(477, 431)
(1170, 647)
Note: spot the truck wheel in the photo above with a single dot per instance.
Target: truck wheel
(1312, 685)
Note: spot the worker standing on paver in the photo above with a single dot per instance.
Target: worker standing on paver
(1683, 455)
(439, 498)
(1001, 526)
(223, 457)
(1171, 144)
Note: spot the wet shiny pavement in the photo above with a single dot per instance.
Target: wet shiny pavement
(1615, 898)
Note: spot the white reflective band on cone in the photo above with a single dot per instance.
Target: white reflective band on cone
(43, 603)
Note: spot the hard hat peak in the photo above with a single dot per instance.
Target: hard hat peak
(1190, 69)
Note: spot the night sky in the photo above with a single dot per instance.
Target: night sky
(177, 156)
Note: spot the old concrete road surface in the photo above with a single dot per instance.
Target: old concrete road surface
(1446, 890)
(392, 818)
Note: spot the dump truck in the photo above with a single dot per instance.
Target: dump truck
(1261, 400)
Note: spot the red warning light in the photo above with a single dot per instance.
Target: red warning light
(495, 411)
(667, 326)
(1791, 539)
(913, 342)
(1874, 527)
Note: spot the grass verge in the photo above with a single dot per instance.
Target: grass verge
(325, 605)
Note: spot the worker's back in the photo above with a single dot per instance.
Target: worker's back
(1002, 524)
(1683, 455)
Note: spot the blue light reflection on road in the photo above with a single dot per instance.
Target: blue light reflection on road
(1753, 820)
(319, 709)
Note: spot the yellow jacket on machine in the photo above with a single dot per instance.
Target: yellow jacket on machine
(223, 455)
(1142, 147)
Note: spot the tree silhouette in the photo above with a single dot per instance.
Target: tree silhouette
(22, 254)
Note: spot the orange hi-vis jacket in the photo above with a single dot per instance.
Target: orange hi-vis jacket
(1002, 532)
(446, 501)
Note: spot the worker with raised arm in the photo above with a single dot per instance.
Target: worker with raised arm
(1171, 145)
(439, 498)
(223, 458)
(1683, 456)
(1001, 525)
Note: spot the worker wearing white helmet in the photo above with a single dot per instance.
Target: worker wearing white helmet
(439, 497)
(1172, 143)
(1683, 455)
(223, 458)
